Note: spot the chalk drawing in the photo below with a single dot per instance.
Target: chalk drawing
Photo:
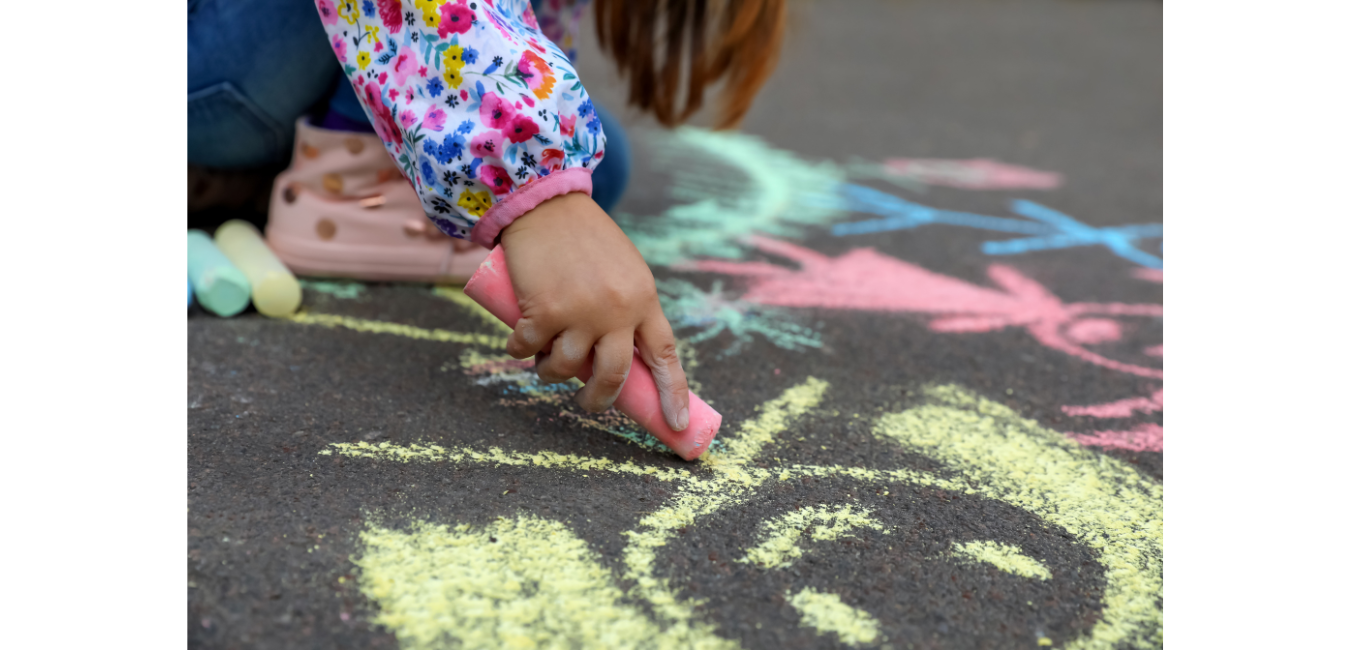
(515, 583)
(863, 279)
(1101, 501)
(974, 174)
(1050, 229)
(1143, 437)
(522, 387)
(1119, 409)
(336, 288)
(431, 453)
(1005, 557)
(986, 450)
(517, 378)
(780, 537)
(687, 306)
(381, 327)
(828, 614)
(733, 185)
(1150, 275)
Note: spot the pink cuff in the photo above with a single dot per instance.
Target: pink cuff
(516, 204)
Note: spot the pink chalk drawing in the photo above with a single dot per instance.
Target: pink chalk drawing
(1119, 409)
(1151, 275)
(1154, 350)
(863, 279)
(1145, 437)
(976, 174)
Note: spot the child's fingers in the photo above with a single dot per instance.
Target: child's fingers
(568, 356)
(529, 337)
(656, 343)
(613, 358)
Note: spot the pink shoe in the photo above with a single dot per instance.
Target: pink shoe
(342, 209)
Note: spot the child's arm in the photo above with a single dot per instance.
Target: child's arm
(483, 114)
(488, 121)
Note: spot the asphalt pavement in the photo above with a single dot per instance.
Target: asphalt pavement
(923, 286)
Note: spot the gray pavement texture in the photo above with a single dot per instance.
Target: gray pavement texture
(305, 532)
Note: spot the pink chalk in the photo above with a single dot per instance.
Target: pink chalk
(491, 287)
(864, 279)
(1119, 409)
(1145, 437)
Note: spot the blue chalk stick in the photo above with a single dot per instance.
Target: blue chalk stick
(220, 286)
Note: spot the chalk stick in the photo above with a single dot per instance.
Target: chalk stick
(189, 292)
(276, 292)
(220, 287)
(491, 287)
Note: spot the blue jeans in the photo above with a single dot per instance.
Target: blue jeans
(256, 66)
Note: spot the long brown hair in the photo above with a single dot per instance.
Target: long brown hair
(742, 47)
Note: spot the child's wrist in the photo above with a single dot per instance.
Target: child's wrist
(573, 206)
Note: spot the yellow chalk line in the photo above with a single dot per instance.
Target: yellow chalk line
(1004, 556)
(871, 475)
(731, 482)
(525, 582)
(1101, 501)
(382, 327)
(828, 613)
(779, 537)
(430, 453)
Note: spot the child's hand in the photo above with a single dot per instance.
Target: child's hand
(580, 281)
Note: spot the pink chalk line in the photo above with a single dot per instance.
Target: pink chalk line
(977, 174)
(863, 279)
(1119, 409)
(1151, 275)
(1145, 437)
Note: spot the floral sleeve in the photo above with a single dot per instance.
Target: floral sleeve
(560, 20)
(482, 112)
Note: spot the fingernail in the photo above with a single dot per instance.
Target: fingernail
(682, 420)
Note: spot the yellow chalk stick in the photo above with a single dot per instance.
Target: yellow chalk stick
(276, 292)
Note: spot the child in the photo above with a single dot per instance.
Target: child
(481, 111)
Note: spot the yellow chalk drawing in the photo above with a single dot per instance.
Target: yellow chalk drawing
(516, 583)
(456, 295)
(827, 613)
(987, 450)
(382, 327)
(779, 545)
(731, 482)
(1101, 501)
(495, 456)
(1003, 556)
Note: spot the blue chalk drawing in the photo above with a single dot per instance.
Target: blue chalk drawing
(687, 306)
(1049, 229)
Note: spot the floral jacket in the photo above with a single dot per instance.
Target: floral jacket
(482, 112)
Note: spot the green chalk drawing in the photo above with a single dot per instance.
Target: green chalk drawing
(520, 386)
(688, 306)
(733, 185)
(337, 289)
